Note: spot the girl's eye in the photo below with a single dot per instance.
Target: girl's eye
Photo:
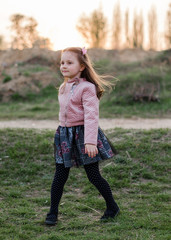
(62, 63)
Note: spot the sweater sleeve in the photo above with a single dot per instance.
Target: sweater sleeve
(91, 114)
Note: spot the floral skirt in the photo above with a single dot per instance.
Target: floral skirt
(69, 148)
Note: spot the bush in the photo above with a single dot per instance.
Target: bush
(7, 78)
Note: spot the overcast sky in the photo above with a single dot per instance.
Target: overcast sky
(57, 18)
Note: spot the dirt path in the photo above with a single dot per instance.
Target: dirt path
(137, 123)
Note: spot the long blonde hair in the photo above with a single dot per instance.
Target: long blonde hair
(89, 73)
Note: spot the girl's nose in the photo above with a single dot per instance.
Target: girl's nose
(64, 66)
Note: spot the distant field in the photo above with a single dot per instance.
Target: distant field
(138, 175)
(48, 108)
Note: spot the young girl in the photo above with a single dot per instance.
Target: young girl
(78, 139)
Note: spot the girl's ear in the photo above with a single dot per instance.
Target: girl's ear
(82, 67)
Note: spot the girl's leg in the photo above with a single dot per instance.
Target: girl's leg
(60, 178)
(94, 176)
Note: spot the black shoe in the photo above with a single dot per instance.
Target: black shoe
(110, 214)
(51, 219)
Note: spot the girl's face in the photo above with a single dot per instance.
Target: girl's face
(70, 66)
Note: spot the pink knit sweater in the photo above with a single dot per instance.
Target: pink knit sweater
(79, 105)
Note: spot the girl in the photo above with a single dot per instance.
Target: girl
(78, 139)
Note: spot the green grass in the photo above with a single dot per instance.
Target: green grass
(115, 104)
(35, 106)
(32, 69)
(7, 78)
(45, 106)
(138, 176)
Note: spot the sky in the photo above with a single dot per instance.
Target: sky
(57, 18)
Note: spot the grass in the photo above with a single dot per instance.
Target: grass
(7, 78)
(35, 106)
(44, 105)
(32, 69)
(118, 103)
(138, 176)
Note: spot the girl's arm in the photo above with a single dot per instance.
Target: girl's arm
(91, 114)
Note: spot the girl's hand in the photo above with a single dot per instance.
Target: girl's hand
(91, 150)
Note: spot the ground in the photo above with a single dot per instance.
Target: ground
(136, 123)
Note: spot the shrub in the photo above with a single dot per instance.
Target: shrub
(7, 78)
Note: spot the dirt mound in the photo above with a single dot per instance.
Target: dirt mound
(33, 69)
(26, 70)
(15, 56)
(124, 56)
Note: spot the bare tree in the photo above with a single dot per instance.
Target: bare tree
(126, 25)
(138, 30)
(30, 31)
(16, 26)
(135, 31)
(3, 43)
(141, 30)
(25, 33)
(43, 43)
(116, 27)
(168, 28)
(93, 28)
(152, 28)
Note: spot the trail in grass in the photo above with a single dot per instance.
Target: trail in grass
(135, 123)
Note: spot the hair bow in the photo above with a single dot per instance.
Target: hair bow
(84, 50)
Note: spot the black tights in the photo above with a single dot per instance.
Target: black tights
(94, 176)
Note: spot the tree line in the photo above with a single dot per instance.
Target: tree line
(95, 30)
